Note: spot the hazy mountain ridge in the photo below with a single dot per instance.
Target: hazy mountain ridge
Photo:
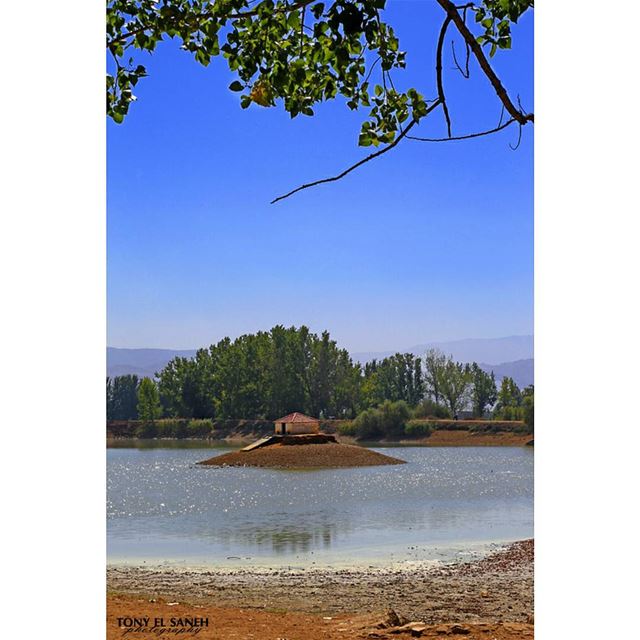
(509, 356)
(522, 371)
(141, 362)
(493, 351)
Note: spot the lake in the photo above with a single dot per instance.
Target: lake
(445, 503)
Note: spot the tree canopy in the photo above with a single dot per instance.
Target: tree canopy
(298, 53)
(265, 375)
(122, 397)
(149, 408)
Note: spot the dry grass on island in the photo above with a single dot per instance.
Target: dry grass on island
(303, 452)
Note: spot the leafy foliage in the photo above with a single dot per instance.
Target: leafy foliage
(263, 375)
(435, 363)
(295, 52)
(417, 429)
(122, 398)
(509, 402)
(171, 428)
(527, 408)
(484, 392)
(149, 409)
(428, 408)
(199, 428)
(386, 421)
(495, 17)
(456, 385)
(398, 377)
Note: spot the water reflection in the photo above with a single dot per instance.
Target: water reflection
(288, 539)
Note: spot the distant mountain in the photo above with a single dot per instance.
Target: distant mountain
(493, 351)
(142, 362)
(520, 370)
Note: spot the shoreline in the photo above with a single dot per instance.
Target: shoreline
(497, 588)
(439, 438)
(380, 559)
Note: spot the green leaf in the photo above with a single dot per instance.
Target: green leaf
(236, 85)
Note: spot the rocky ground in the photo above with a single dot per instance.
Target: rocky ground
(305, 456)
(490, 598)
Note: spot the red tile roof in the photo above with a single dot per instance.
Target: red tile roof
(296, 417)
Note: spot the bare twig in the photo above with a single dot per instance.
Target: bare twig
(441, 98)
(393, 86)
(465, 71)
(470, 39)
(364, 160)
(375, 62)
(519, 139)
(465, 137)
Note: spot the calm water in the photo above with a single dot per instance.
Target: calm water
(445, 503)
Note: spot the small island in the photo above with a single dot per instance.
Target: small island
(297, 443)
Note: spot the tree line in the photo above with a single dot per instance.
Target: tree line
(271, 373)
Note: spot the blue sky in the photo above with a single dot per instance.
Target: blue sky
(430, 242)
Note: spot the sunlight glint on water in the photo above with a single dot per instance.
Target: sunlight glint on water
(161, 507)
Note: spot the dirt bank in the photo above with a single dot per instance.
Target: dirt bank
(306, 456)
(250, 624)
(446, 438)
(495, 590)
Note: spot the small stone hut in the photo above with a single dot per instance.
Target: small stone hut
(296, 423)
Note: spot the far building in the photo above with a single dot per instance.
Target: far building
(296, 423)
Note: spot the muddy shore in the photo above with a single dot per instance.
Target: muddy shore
(494, 591)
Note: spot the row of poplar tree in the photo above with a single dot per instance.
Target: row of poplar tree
(269, 374)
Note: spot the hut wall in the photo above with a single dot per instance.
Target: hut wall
(303, 427)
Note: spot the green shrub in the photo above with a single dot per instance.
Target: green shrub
(430, 409)
(348, 428)
(417, 429)
(171, 428)
(510, 413)
(528, 412)
(146, 430)
(393, 417)
(199, 428)
(387, 421)
(367, 425)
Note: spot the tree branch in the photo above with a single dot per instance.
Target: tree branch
(359, 163)
(470, 39)
(465, 137)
